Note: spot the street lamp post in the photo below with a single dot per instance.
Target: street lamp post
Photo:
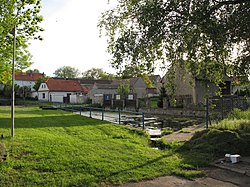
(13, 84)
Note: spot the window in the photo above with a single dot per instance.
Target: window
(118, 97)
(130, 97)
(43, 95)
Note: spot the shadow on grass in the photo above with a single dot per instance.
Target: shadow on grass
(51, 121)
(102, 178)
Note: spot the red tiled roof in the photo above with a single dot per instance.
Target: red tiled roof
(65, 85)
(28, 76)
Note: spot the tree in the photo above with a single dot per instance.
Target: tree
(24, 17)
(123, 90)
(33, 71)
(97, 73)
(67, 72)
(163, 94)
(200, 34)
(133, 70)
(8, 89)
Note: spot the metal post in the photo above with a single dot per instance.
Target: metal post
(207, 114)
(143, 127)
(232, 104)
(13, 84)
(90, 112)
(80, 110)
(119, 111)
(102, 114)
(222, 109)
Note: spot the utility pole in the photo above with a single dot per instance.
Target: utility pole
(13, 83)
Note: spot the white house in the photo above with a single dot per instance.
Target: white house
(60, 90)
(28, 79)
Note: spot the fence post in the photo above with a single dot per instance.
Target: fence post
(80, 110)
(143, 127)
(207, 114)
(222, 109)
(90, 115)
(232, 104)
(102, 114)
(119, 111)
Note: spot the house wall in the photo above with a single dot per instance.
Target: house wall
(56, 96)
(34, 94)
(188, 87)
(201, 92)
(78, 98)
(184, 83)
(96, 94)
(140, 88)
(53, 96)
(43, 90)
(29, 84)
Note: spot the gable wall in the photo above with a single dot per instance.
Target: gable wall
(140, 88)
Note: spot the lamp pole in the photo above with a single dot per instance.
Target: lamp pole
(13, 84)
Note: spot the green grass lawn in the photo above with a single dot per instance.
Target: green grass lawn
(56, 148)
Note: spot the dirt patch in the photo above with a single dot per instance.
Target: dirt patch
(22, 155)
(3, 153)
(184, 134)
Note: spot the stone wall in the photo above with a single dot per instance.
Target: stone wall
(175, 112)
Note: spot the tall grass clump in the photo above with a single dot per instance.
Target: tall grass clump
(238, 114)
(237, 121)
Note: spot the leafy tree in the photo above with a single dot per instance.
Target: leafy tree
(24, 92)
(123, 90)
(33, 71)
(97, 73)
(163, 94)
(67, 72)
(200, 34)
(24, 16)
(7, 91)
(133, 70)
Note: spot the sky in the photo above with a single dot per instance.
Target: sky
(71, 36)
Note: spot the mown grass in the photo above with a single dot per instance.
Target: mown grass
(57, 148)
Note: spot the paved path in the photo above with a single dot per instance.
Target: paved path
(215, 177)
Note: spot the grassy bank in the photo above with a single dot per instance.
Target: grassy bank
(231, 135)
(56, 148)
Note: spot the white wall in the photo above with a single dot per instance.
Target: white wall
(29, 84)
(40, 96)
(58, 96)
(78, 99)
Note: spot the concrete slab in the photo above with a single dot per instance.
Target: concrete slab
(242, 167)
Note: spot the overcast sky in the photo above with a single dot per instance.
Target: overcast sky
(71, 36)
